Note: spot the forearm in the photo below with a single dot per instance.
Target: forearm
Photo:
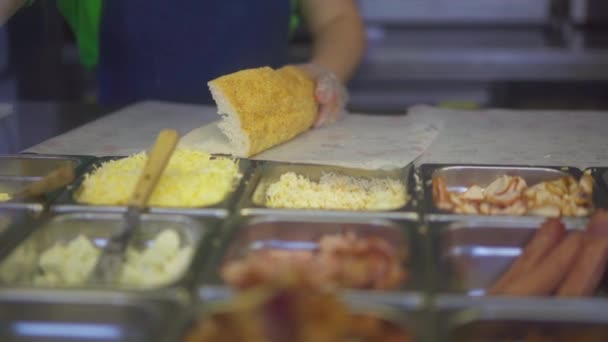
(338, 37)
(8, 8)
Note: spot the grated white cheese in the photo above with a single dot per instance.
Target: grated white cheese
(158, 264)
(67, 265)
(334, 191)
(191, 179)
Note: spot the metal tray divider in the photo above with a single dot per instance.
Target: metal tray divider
(600, 176)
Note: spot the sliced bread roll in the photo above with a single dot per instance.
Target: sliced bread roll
(263, 107)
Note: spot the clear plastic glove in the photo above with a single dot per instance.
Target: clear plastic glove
(330, 94)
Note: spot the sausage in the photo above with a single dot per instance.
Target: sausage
(586, 273)
(544, 240)
(549, 273)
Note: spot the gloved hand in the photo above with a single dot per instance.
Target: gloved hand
(330, 94)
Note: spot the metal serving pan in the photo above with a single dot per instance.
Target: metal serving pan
(266, 173)
(67, 200)
(61, 316)
(13, 186)
(409, 316)
(461, 177)
(21, 266)
(15, 222)
(600, 175)
(471, 255)
(516, 319)
(251, 233)
(37, 166)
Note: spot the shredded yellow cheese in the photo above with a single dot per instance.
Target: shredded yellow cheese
(335, 191)
(191, 179)
(4, 197)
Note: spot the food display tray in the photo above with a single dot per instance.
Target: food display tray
(15, 223)
(67, 200)
(18, 171)
(282, 232)
(21, 265)
(470, 255)
(600, 175)
(60, 316)
(253, 201)
(460, 177)
(410, 315)
(521, 319)
(452, 259)
(36, 166)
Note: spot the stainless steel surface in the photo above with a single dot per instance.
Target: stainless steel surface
(21, 266)
(516, 319)
(113, 255)
(35, 166)
(439, 12)
(38, 316)
(395, 308)
(303, 232)
(67, 203)
(253, 198)
(471, 255)
(588, 12)
(15, 222)
(460, 177)
(13, 186)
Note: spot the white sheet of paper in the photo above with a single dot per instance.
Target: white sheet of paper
(359, 141)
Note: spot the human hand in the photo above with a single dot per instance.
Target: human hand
(330, 94)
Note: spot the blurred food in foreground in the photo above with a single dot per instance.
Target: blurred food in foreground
(341, 260)
(292, 313)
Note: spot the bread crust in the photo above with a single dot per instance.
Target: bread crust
(272, 106)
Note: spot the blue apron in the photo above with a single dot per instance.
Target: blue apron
(170, 49)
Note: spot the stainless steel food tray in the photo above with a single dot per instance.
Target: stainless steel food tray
(60, 316)
(67, 200)
(243, 234)
(36, 166)
(470, 255)
(14, 185)
(409, 315)
(17, 171)
(15, 223)
(522, 319)
(21, 266)
(461, 177)
(266, 173)
(600, 175)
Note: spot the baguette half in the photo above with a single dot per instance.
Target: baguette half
(262, 107)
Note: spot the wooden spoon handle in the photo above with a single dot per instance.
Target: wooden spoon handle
(54, 180)
(158, 158)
